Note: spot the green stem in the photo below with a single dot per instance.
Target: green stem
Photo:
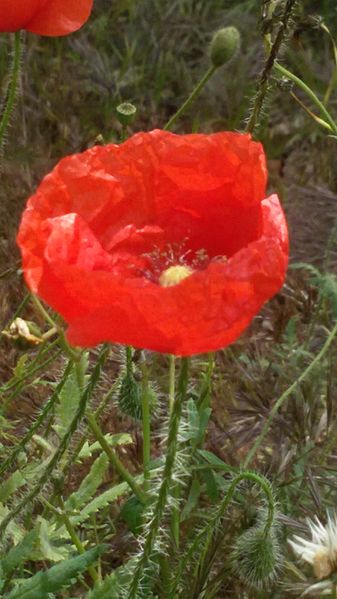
(165, 485)
(73, 354)
(309, 93)
(213, 522)
(12, 90)
(279, 403)
(45, 477)
(146, 422)
(191, 98)
(62, 514)
(268, 67)
(37, 423)
(113, 458)
(172, 381)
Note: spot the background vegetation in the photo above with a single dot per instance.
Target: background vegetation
(152, 52)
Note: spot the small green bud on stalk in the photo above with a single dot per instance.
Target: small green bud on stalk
(224, 45)
(126, 113)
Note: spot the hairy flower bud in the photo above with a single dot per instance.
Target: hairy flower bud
(224, 45)
(257, 556)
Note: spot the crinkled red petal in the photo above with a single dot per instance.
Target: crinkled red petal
(44, 17)
(84, 234)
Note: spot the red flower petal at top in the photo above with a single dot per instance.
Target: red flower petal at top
(44, 17)
(165, 242)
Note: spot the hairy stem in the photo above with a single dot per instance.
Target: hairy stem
(12, 89)
(113, 458)
(165, 485)
(146, 422)
(268, 67)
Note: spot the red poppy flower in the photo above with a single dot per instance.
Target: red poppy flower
(45, 17)
(164, 242)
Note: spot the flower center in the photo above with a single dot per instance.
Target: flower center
(174, 275)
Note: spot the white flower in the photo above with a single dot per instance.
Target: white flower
(321, 551)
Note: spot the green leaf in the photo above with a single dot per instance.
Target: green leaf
(192, 499)
(56, 578)
(108, 589)
(14, 531)
(89, 485)
(21, 367)
(18, 554)
(101, 502)
(211, 458)
(132, 513)
(112, 440)
(67, 405)
(48, 550)
(211, 484)
(12, 484)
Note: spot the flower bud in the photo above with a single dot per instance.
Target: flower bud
(257, 556)
(126, 113)
(224, 45)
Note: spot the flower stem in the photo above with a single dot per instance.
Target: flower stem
(73, 354)
(268, 67)
(74, 536)
(279, 403)
(113, 458)
(12, 90)
(172, 379)
(310, 93)
(191, 98)
(146, 421)
(165, 485)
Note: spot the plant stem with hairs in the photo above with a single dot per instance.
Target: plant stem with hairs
(165, 485)
(12, 88)
(146, 422)
(268, 67)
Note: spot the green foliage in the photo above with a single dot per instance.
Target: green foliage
(69, 399)
(89, 485)
(18, 554)
(56, 578)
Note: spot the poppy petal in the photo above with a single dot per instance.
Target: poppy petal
(60, 17)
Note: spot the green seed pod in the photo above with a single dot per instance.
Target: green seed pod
(126, 113)
(129, 398)
(224, 45)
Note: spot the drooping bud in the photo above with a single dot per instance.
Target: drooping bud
(126, 113)
(257, 556)
(224, 45)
